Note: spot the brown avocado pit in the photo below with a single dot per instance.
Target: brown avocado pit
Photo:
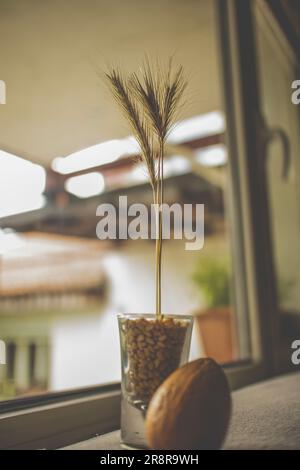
(190, 409)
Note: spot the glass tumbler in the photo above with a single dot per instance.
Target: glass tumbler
(151, 349)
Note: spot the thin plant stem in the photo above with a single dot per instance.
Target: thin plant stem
(159, 239)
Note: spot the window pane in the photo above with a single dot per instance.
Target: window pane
(61, 287)
(278, 70)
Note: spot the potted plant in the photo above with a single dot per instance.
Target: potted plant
(215, 322)
(152, 345)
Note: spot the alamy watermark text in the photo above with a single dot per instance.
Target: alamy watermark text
(136, 221)
(2, 353)
(295, 97)
(2, 92)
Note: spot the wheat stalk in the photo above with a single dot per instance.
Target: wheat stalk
(150, 101)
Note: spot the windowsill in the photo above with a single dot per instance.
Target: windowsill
(59, 419)
(265, 416)
(110, 440)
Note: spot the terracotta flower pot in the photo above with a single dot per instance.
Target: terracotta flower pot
(216, 329)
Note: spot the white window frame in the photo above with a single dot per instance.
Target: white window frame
(57, 419)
